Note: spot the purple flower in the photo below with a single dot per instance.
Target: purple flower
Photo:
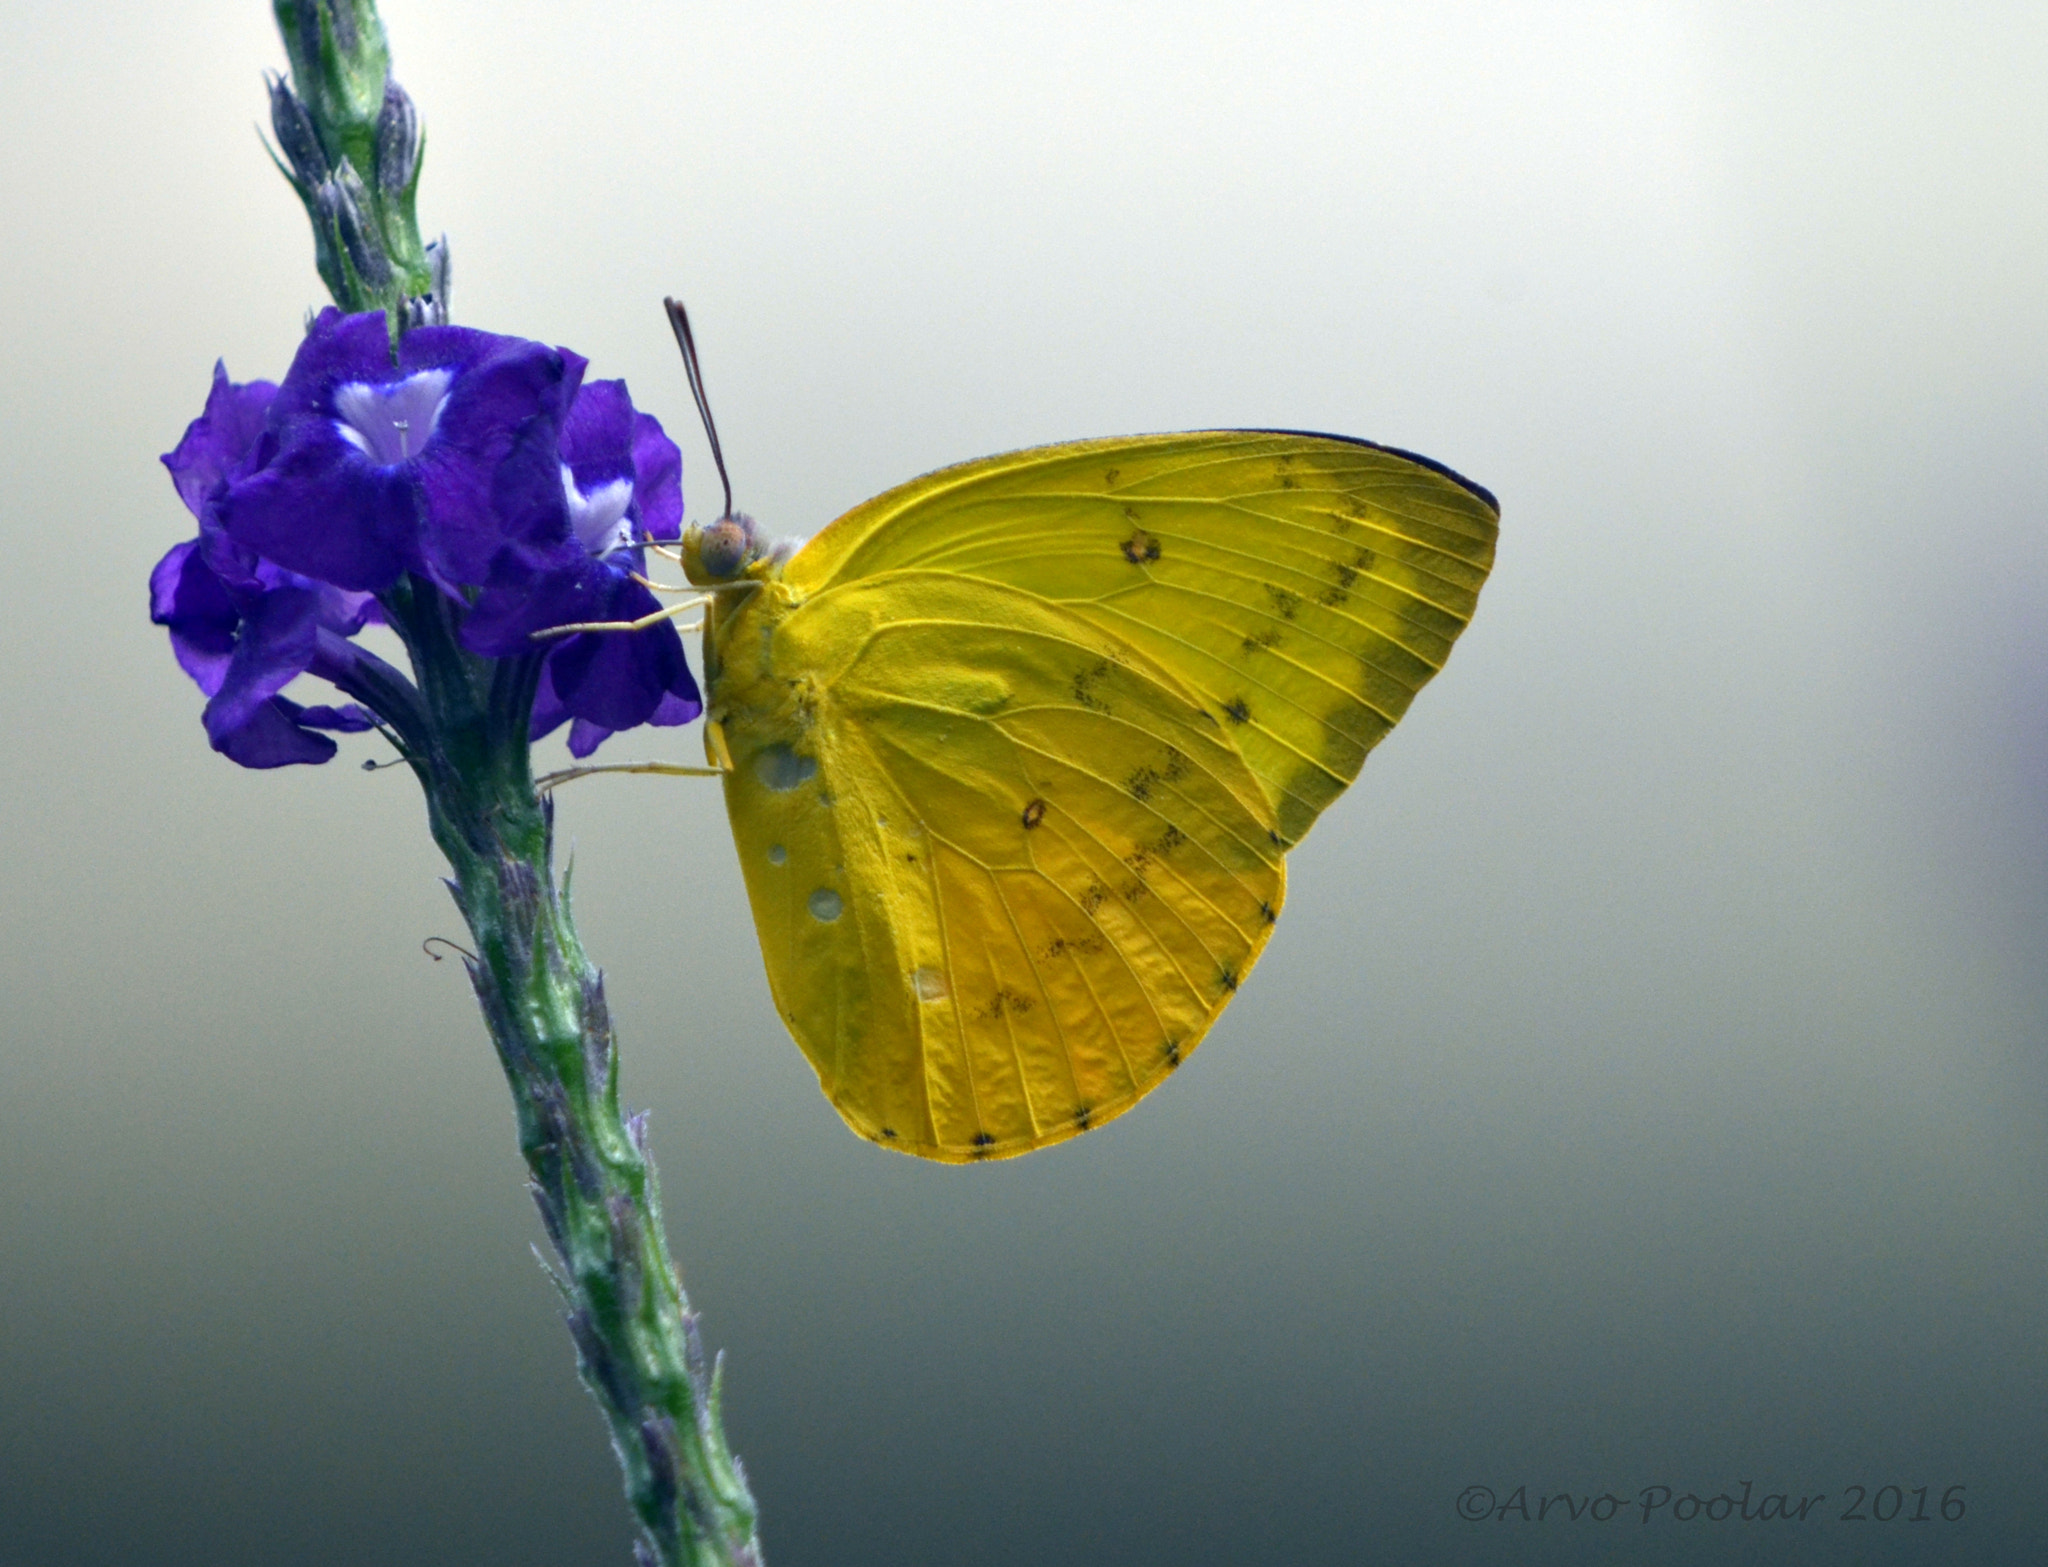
(243, 627)
(575, 519)
(478, 465)
(373, 465)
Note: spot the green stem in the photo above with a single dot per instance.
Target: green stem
(592, 1176)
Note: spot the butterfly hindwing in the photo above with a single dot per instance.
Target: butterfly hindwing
(1006, 869)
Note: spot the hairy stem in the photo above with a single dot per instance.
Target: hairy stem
(591, 1174)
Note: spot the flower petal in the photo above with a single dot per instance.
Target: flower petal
(271, 737)
(336, 351)
(585, 737)
(616, 678)
(348, 719)
(619, 679)
(550, 712)
(276, 647)
(340, 351)
(676, 706)
(597, 434)
(658, 487)
(532, 590)
(679, 704)
(509, 403)
(526, 495)
(187, 599)
(323, 509)
(215, 443)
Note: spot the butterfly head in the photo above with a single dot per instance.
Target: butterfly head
(732, 549)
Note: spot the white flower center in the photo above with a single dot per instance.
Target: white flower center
(599, 518)
(389, 424)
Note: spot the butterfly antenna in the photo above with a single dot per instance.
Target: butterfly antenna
(679, 319)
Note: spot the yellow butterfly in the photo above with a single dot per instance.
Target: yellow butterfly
(1013, 752)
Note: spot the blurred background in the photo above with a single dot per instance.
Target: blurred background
(1645, 1086)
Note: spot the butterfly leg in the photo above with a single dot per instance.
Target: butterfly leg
(655, 619)
(668, 587)
(716, 751)
(549, 781)
(702, 596)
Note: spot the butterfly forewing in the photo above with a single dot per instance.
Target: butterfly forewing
(1302, 588)
(1046, 866)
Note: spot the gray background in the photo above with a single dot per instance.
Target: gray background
(1645, 1085)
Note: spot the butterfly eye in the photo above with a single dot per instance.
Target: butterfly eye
(725, 547)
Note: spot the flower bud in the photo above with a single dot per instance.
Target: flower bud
(398, 141)
(431, 307)
(296, 136)
(345, 202)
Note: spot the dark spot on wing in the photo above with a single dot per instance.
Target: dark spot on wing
(1143, 780)
(1034, 813)
(1081, 1117)
(1285, 604)
(1006, 1003)
(983, 1142)
(1269, 637)
(1084, 946)
(1140, 548)
(1171, 1050)
(1109, 478)
(1364, 560)
(1140, 860)
(1267, 913)
(1094, 897)
(889, 1132)
(1226, 977)
(1237, 710)
(1084, 686)
(1289, 482)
